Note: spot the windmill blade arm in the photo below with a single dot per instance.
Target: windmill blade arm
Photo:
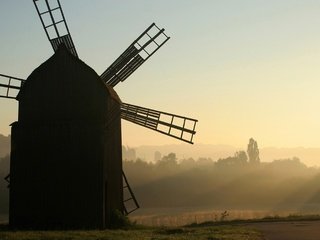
(135, 55)
(176, 126)
(10, 86)
(54, 24)
(130, 202)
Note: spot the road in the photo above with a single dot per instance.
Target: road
(300, 230)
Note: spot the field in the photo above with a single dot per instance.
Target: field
(175, 217)
(228, 231)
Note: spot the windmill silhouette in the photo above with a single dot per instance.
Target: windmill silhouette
(59, 115)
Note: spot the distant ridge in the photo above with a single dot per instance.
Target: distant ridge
(309, 156)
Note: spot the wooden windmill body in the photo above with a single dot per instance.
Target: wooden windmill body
(66, 163)
(66, 159)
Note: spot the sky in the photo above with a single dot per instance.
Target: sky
(244, 69)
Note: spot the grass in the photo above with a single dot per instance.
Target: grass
(292, 217)
(221, 230)
(185, 216)
(139, 233)
(275, 218)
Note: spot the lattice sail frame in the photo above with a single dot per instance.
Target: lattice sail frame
(10, 86)
(130, 203)
(54, 24)
(135, 55)
(176, 126)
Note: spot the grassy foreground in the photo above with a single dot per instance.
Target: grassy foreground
(139, 233)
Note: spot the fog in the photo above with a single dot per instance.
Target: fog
(230, 183)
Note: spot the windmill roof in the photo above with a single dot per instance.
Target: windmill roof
(63, 54)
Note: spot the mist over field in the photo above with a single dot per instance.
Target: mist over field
(201, 189)
(230, 183)
(245, 186)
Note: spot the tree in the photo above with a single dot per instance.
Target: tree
(169, 160)
(239, 159)
(241, 156)
(253, 151)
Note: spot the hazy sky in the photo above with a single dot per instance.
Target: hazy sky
(244, 69)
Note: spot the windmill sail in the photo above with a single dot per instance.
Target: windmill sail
(54, 24)
(130, 203)
(176, 126)
(10, 86)
(135, 55)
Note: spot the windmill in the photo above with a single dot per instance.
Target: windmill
(58, 114)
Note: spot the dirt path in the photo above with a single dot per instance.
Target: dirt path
(304, 230)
